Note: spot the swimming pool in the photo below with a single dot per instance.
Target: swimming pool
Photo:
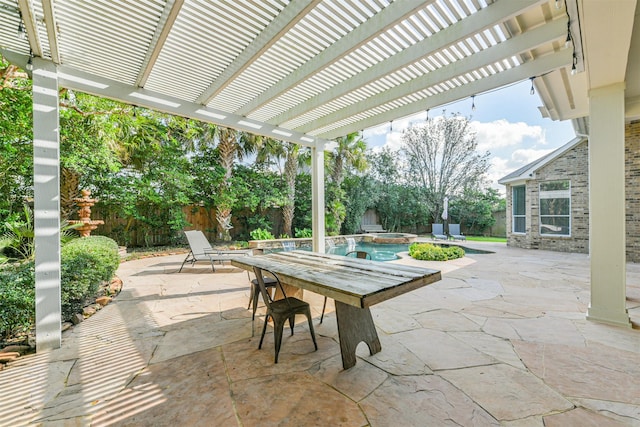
(379, 251)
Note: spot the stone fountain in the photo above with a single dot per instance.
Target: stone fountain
(88, 225)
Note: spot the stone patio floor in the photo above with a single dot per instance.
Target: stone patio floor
(501, 340)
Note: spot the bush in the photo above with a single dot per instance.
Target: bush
(86, 263)
(17, 299)
(430, 252)
(261, 234)
(304, 233)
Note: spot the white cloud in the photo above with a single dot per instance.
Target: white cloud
(524, 156)
(502, 134)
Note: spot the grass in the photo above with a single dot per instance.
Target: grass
(487, 239)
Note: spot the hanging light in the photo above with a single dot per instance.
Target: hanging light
(574, 70)
(558, 4)
(533, 89)
(427, 119)
(22, 32)
(29, 65)
(567, 42)
(473, 103)
(391, 125)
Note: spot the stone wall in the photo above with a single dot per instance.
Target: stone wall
(632, 173)
(573, 165)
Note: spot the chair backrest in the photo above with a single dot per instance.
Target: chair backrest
(437, 229)
(454, 229)
(266, 296)
(198, 242)
(288, 246)
(359, 254)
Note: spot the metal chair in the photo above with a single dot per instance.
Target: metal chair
(281, 310)
(269, 283)
(357, 254)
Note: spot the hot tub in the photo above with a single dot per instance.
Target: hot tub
(390, 238)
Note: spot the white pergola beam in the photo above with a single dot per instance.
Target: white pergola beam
(284, 21)
(168, 18)
(537, 67)
(484, 18)
(377, 24)
(88, 83)
(52, 33)
(506, 49)
(31, 26)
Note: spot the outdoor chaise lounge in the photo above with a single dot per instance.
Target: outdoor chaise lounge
(454, 232)
(437, 232)
(372, 228)
(201, 250)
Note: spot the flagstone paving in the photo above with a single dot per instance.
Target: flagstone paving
(502, 339)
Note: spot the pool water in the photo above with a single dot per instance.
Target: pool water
(379, 251)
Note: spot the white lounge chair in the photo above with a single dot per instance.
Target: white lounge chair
(201, 250)
(437, 232)
(454, 232)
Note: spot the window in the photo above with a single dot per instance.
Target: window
(519, 213)
(555, 208)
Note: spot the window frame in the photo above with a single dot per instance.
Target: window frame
(554, 194)
(513, 209)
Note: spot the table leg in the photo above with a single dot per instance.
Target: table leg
(355, 325)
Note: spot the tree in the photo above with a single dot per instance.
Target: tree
(442, 160)
(349, 154)
(475, 209)
(277, 150)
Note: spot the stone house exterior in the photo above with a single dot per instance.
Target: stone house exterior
(548, 199)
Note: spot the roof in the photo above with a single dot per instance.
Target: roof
(527, 172)
(301, 71)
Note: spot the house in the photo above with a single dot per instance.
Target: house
(548, 199)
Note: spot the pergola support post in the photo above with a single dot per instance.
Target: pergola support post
(317, 196)
(46, 179)
(607, 206)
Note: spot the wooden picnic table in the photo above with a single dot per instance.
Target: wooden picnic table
(355, 285)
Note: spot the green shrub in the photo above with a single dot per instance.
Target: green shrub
(430, 252)
(261, 234)
(17, 299)
(86, 263)
(304, 233)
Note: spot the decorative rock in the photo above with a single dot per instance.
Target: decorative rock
(116, 285)
(88, 311)
(66, 325)
(9, 356)
(77, 318)
(103, 300)
(22, 349)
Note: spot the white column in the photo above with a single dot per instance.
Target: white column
(46, 178)
(317, 196)
(607, 205)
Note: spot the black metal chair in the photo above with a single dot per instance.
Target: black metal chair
(269, 283)
(281, 310)
(357, 254)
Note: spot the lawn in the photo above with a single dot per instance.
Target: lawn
(487, 239)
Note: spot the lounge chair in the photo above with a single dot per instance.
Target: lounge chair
(201, 250)
(437, 232)
(454, 232)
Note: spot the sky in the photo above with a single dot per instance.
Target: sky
(507, 123)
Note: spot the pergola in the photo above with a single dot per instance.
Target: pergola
(308, 71)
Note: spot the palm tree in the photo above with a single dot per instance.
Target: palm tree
(290, 152)
(349, 153)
